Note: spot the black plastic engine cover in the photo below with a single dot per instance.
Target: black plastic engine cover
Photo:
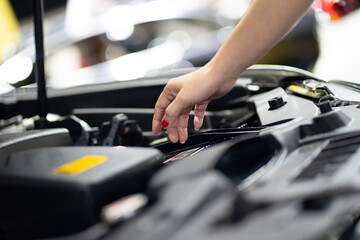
(55, 191)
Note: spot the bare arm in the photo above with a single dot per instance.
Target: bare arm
(263, 25)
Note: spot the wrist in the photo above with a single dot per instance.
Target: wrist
(220, 73)
(216, 80)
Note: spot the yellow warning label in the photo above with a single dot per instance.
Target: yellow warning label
(304, 91)
(80, 165)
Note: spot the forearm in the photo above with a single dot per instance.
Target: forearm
(263, 25)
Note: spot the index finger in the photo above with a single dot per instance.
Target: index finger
(159, 111)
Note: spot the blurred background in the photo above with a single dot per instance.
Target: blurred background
(95, 41)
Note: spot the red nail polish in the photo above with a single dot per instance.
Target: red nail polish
(164, 123)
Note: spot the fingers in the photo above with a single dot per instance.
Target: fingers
(157, 119)
(199, 113)
(183, 135)
(183, 125)
(178, 130)
(175, 103)
(176, 109)
(172, 116)
(162, 103)
(173, 134)
(178, 117)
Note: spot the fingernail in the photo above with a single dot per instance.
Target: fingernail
(164, 123)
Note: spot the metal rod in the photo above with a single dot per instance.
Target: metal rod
(38, 7)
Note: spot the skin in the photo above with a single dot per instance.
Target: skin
(263, 25)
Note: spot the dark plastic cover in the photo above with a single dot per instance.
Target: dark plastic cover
(60, 190)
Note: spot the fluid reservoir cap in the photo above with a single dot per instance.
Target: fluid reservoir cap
(276, 102)
(325, 107)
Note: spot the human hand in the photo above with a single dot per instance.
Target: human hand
(180, 95)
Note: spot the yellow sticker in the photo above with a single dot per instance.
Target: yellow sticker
(301, 90)
(80, 165)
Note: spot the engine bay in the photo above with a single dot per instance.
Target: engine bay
(280, 151)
